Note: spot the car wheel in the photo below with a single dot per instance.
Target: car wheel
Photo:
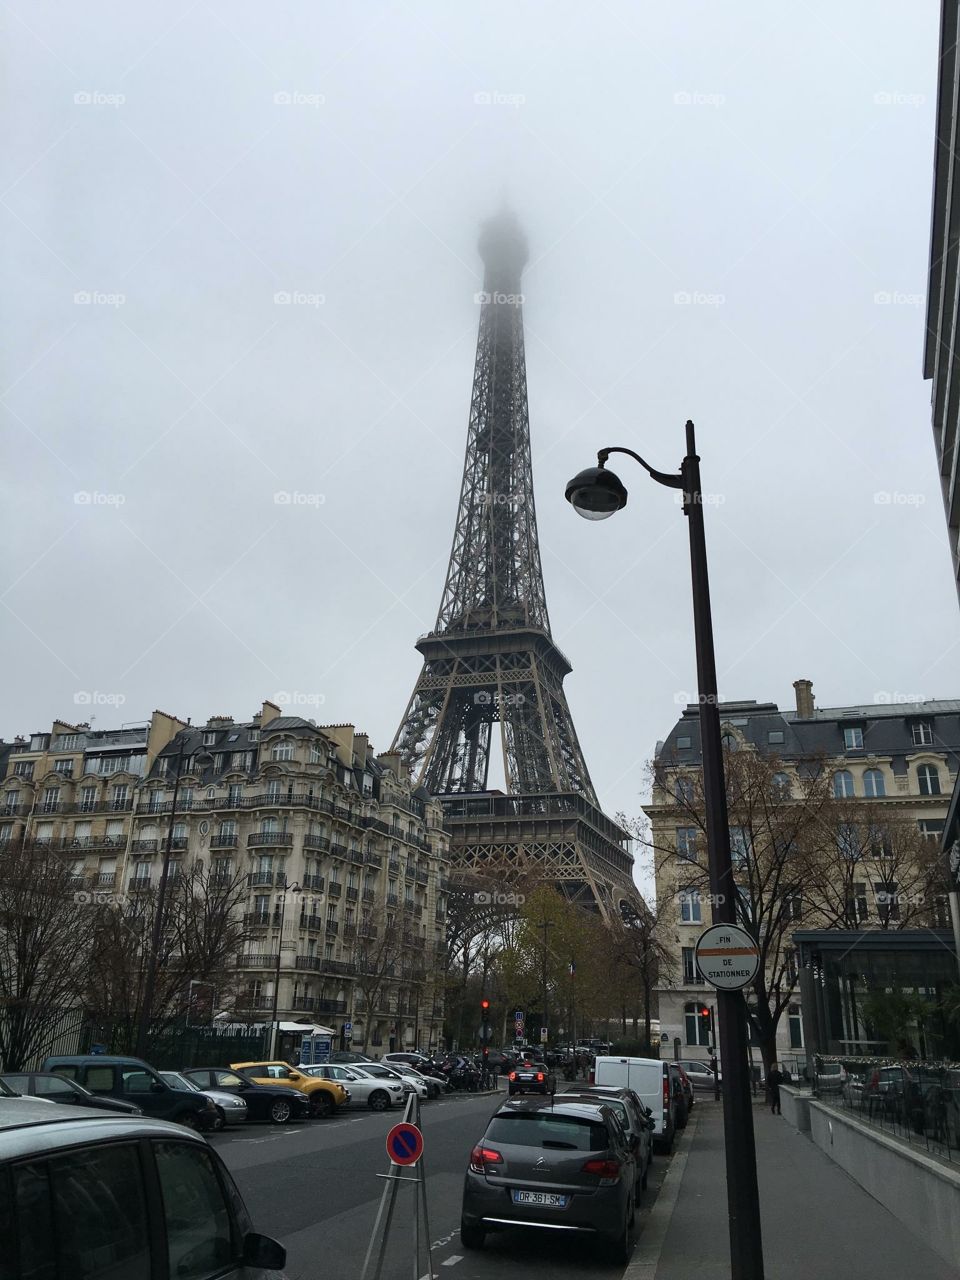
(472, 1236)
(379, 1100)
(280, 1111)
(621, 1246)
(220, 1122)
(321, 1104)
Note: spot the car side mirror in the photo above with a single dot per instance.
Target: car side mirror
(262, 1251)
(157, 1086)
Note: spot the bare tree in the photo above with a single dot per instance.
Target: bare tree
(44, 946)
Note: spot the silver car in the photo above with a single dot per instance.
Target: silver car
(230, 1108)
(552, 1165)
(364, 1090)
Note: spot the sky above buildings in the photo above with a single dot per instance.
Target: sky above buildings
(239, 326)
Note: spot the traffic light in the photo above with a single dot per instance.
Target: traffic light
(704, 1012)
(485, 1006)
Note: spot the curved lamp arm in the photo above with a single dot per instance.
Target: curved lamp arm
(661, 477)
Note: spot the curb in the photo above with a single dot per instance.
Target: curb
(646, 1257)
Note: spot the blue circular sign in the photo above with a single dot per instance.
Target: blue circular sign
(404, 1144)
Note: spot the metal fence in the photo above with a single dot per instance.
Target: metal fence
(916, 1102)
(170, 1048)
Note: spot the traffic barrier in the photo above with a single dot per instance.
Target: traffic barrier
(405, 1152)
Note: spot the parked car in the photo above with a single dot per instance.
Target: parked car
(547, 1164)
(130, 1196)
(687, 1084)
(702, 1075)
(325, 1095)
(417, 1065)
(132, 1080)
(382, 1071)
(345, 1055)
(274, 1102)
(658, 1086)
(231, 1108)
(57, 1088)
(365, 1090)
(636, 1119)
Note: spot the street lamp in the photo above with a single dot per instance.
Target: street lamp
(596, 494)
(275, 1027)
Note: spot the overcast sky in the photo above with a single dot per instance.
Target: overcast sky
(728, 213)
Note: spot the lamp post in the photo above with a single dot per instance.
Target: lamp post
(596, 494)
(274, 1025)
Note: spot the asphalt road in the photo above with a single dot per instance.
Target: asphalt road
(314, 1187)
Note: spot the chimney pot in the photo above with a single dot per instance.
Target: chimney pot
(805, 704)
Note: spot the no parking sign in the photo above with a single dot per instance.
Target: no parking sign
(404, 1144)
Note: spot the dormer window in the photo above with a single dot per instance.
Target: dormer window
(853, 738)
(922, 731)
(209, 739)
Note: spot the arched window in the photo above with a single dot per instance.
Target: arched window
(690, 912)
(729, 741)
(843, 784)
(873, 783)
(929, 779)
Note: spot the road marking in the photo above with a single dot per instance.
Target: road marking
(452, 1260)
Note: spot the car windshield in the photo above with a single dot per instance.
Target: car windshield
(545, 1128)
(229, 1079)
(176, 1081)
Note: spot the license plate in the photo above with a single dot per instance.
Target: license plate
(548, 1199)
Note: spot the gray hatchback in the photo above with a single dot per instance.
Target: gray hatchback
(555, 1166)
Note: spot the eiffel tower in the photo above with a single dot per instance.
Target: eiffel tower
(491, 660)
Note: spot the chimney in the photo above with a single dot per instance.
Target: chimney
(804, 691)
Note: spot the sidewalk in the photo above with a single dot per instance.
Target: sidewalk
(818, 1224)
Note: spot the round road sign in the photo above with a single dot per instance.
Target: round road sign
(727, 956)
(404, 1144)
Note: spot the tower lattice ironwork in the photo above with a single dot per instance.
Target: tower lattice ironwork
(491, 659)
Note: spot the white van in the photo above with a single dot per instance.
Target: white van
(655, 1084)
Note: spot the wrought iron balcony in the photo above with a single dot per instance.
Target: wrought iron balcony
(311, 922)
(269, 838)
(312, 882)
(261, 919)
(392, 900)
(143, 846)
(261, 877)
(257, 960)
(353, 893)
(338, 850)
(334, 888)
(227, 840)
(422, 877)
(356, 855)
(137, 884)
(332, 928)
(316, 842)
(373, 860)
(106, 879)
(369, 895)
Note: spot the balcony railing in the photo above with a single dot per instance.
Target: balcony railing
(394, 868)
(349, 932)
(353, 893)
(392, 900)
(224, 840)
(422, 877)
(138, 883)
(338, 850)
(369, 895)
(270, 837)
(257, 960)
(261, 919)
(261, 877)
(106, 879)
(356, 855)
(373, 860)
(368, 931)
(311, 922)
(320, 964)
(332, 928)
(334, 888)
(143, 846)
(313, 882)
(316, 842)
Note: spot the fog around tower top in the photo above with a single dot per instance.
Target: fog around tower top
(242, 294)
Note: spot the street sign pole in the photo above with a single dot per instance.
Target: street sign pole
(405, 1150)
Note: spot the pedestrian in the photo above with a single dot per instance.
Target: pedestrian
(774, 1081)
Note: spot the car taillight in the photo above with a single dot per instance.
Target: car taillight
(608, 1171)
(666, 1094)
(480, 1157)
(512, 1075)
(539, 1077)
